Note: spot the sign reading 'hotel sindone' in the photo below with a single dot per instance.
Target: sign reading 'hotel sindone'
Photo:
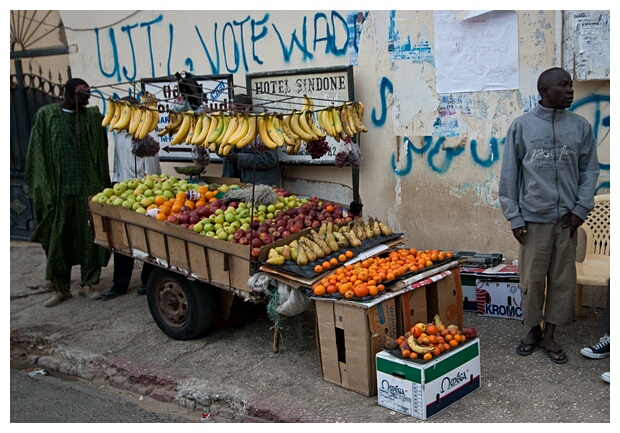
(284, 91)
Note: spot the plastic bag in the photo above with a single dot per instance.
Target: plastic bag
(259, 282)
(292, 301)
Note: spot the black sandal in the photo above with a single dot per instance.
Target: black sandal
(111, 295)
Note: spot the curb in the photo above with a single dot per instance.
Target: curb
(135, 378)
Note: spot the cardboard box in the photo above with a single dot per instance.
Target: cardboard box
(499, 298)
(468, 284)
(423, 388)
(412, 309)
(349, 335)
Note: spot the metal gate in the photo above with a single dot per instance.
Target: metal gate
(29, 92)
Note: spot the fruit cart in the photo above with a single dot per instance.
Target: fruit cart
(195, 276)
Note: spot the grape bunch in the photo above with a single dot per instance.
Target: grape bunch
(342, 158)
(146, 147)
(317, 148)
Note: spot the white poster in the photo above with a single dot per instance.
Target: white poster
(476, 53)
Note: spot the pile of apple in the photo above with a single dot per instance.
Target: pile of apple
(227, 220)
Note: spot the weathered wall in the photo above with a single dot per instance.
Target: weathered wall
(439, 185)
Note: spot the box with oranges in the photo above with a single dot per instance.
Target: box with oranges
(424, 389)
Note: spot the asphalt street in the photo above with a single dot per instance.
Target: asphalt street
(232, 372)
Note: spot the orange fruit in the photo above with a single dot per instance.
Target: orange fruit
(361, 290)
(319, 290)
(159, 200)
(380, 287)
(181, 195)
(413, 355)
(333, 261)
(165, 210)
(406, 353)
(427, 356)
(348, 254)
(318, 269)
(373, 290)
(342, 258)
(448, 255)
(453, 343)
(326, 264)
(161, 216)
(331, 289)
(349, 294)
(431, 329)
(437, 351)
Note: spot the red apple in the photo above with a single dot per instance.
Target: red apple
(255, 251)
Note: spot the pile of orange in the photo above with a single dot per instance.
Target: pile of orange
(441, 338)
(175, 204)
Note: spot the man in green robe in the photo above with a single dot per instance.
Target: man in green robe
(67, 162)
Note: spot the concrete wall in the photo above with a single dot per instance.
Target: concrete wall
(430, 172)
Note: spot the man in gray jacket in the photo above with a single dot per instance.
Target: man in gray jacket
(546, 190)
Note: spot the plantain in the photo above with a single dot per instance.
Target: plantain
(415, 347)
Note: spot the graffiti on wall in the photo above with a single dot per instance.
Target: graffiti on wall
(228, 47)
(439, 158)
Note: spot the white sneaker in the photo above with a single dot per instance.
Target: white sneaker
(605, 376)
(89, 292)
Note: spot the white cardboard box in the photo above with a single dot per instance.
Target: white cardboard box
(423, 388)
(499, 299)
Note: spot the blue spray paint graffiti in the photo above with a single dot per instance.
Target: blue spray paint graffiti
(228, 43)
(433, 145)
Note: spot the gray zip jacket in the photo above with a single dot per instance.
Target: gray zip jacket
(549, 167)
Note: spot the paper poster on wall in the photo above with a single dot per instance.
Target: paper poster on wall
(478, 52)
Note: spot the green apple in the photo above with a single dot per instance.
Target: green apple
(166, 185)
(133, 183)
(120, 187)
(102, 198)
(262, 208)
(128, 204)
(208, 227)
(149, 193)
(136, 205)
(235, 224)
(217, 227)
(279, 205)
(149, 182)
(167, 194)
(230, 237)
(269, 216)
(108, 192)
(219, 219)
(211, 234)
(222, 235)
(230, 230)
(141, 210)
(271, 209)
(146, 202)
(230, 216)
(198, 227)
(118, 202)
(219, 211)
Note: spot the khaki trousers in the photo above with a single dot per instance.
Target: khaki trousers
(547, 273)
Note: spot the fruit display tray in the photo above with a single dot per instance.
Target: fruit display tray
(307, 271)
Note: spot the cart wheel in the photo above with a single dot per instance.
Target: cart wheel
(182, 309)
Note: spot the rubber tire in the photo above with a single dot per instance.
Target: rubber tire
(182, 309)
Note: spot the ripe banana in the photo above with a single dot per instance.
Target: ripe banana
(180, 135)
(264, 134)
(233, 124)
(145, 123)
(289, 140)
(197, 128)
(336, 119)
(415, 347)
(313, 126)
(136, 117)
(296, 127)
(109, 114)
(123, 121)
(154, 119)
(174, 122)
(250, 135)
(327, 122)
(225, 150)
(201, 136)
(190, 133)
(357, 121)
(286, 128)
(347, 127)
(118, 107)
(303, 123)
(274, 133)
(308, 104)
(241, 130)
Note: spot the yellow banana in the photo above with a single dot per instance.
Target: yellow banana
(233, 124)
(251, 134)
(154, 119)
(136, 116)
(109, 114)
(286, 127)
(225, 150)
(180, 135)
(190, 132)
(264, 134)
(313, 126)
(308, 104)
(289, 140)
(296, 127)
(202, 135)
(272, 130)
(328, 122)
(197, 128)
(174, 122)
(118, 107)
(241, 130)
(303, 123)
(145, 123)
(123, 121)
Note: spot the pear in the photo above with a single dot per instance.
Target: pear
(302, 257)
(286, 252)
